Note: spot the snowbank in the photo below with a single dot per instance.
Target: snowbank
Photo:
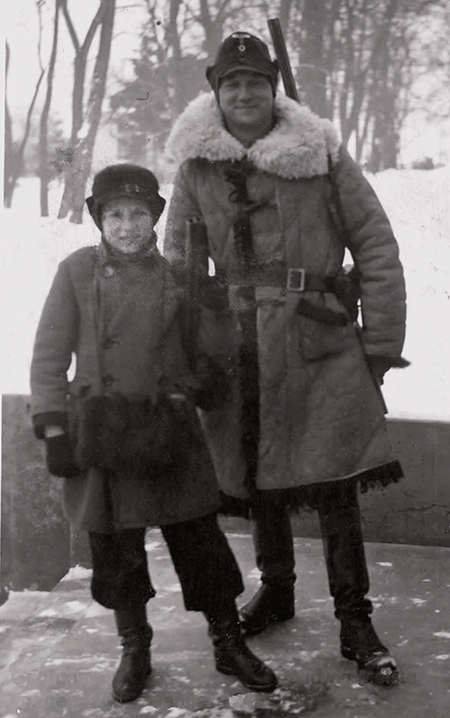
(417, 202)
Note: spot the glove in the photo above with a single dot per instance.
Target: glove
(214, 294)
(378, 366)
(213, 388)
(60, 459)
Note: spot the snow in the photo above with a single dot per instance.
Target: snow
(417, 203)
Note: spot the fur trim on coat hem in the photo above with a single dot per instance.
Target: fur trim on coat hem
(308, 498)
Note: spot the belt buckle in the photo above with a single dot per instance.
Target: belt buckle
(295, 279)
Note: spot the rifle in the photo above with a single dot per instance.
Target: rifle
(284, 64)
(196, 254)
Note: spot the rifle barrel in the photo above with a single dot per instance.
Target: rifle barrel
(279, 44)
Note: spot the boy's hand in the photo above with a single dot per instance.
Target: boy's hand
(60, 459)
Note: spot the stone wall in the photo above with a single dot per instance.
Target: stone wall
(37, 547)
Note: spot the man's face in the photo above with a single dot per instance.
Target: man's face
(246, 100)
(127, 224)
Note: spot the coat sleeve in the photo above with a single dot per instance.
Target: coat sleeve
(371, 241)
(55, 342)
(183, 206)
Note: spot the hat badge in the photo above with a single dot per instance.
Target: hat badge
(241, 37)
(132, 189)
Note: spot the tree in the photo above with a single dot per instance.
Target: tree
(312, 72)
(85, 116)
(15, 151)
(43, 129)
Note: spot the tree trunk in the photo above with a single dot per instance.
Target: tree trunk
(84, 147)
(313, 78)
(81, 56)
(43, 130)
(14, 157)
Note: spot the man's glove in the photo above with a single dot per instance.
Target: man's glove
(60, 459)
(213, 294)
(213, 385)
(378, 366)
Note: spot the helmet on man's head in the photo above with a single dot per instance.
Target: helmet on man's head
(242, 51)
(124, 180)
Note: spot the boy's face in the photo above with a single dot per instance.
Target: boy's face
(127, 224)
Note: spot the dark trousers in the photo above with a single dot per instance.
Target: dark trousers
(343, 545)
(206, 567)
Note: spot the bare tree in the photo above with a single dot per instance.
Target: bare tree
(15, 151)
(85, 118)
(43, 128)
(312, 72)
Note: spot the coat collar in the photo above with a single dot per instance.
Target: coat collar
(296, 147)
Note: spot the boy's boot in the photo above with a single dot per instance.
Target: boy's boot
(135, 664)
(232, 655)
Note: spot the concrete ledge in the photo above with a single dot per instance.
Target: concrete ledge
(414, 511)
(38, 548)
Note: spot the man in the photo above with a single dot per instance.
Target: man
(305, 422)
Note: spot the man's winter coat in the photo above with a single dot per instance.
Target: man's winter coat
(120, 318)
(320, 414)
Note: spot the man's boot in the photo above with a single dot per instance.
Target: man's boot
(269, 605)
(232, 655)
(274, 602)
(360, 643)
(349, 585)
(135, 665)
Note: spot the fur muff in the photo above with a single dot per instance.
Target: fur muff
(140, 435)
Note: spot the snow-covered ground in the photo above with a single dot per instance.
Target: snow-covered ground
(417, 202)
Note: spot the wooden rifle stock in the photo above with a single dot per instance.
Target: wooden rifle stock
(196, 254)
(284, 64)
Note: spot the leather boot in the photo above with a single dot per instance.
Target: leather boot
(360, 643)
(269, 605)
(135, 664)
(349, 585)
(232, 655)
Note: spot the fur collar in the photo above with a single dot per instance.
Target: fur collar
(296, 147)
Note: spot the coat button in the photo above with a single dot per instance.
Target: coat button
(109, 271)
(108, 379)
(108, 343)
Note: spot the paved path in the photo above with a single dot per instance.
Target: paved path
(58, 651)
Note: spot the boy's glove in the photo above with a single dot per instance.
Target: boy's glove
(60, 459)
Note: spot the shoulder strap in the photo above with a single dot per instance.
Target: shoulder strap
(336, 207)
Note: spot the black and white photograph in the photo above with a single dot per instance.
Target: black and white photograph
(225, 278)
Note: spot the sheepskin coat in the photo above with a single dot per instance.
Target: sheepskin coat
(120, 318)
(320, 414)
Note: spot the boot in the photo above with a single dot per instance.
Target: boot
(232, 655)
(360, 643)
(349, 586)
(135, 665)
(269, 605)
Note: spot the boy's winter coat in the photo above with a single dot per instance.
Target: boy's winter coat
(121, 319)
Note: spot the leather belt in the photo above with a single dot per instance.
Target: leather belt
(294, 279)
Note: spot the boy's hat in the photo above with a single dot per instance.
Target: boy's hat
(124, 180)
(242, 51)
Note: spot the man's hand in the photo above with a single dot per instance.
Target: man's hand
(213, 294)
(378, 366)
